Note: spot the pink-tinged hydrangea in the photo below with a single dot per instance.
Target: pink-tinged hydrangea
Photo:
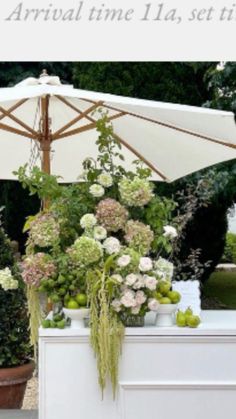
(85, 251)
(150, 282)
(44, 230)
(111, 215)
(128, 299)
(139, 236)
(153, 304)
(37, 267)
(140, 297)
(135, 192)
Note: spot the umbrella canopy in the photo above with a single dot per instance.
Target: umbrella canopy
(45, 123)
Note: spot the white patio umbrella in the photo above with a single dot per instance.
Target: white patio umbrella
(46, 123)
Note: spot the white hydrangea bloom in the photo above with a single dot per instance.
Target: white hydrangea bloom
(112, 245)
(96, 190)
(99, 233)
(136, 309)
(116, 304)
(7, 281)
(88, 221)
(164, 268)
(105, 179)
(145, 264)
(131, 279)
(123, 261)
(139, 283)
(170, 232)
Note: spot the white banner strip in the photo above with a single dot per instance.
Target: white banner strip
(126, 30)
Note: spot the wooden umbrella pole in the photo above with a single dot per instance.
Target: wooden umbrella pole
(45, 140)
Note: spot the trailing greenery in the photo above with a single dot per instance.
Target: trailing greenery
(107, 331)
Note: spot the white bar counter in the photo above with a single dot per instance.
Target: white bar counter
(165, 373)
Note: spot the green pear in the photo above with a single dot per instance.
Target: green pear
(61, 324)
(188, 312)
(193, 321)
(165, 300)
(46, 323)
(180, 319)
(164, 287)
(174, 296)
(157, 295)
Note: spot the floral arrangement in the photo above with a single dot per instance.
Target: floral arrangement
(115, 258)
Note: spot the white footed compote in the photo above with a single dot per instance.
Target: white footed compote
(77, 316)
(165, 315)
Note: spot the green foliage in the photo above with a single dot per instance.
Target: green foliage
(44, 185)
(14, 336)
(222, 82)
(177, 82)
(229, 255)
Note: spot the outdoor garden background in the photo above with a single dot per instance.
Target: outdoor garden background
(205, 197)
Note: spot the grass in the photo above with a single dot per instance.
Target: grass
(222, 285)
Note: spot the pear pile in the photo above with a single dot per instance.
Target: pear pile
(187, 318)
(58, 321)
(165, 295)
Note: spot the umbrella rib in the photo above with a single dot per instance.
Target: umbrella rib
(82, 115)
(170, 126)
(84, 128)
(14, 107)
(70, 105)
(17, 131)
(139, 155)
(18, 121)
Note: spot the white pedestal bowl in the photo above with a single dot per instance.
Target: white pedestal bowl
(77, 316)
(165, 315)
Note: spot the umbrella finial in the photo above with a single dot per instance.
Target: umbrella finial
(44, 73)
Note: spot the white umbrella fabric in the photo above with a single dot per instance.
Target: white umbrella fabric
(45, 123)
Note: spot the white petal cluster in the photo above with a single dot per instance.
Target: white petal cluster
(96, 190)
(7, 281)
(99, 233)
(164, 269)
(123, 261)
(105, 179)
(170, 232)
(88, 221)
(112, 245)
(145, 264)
